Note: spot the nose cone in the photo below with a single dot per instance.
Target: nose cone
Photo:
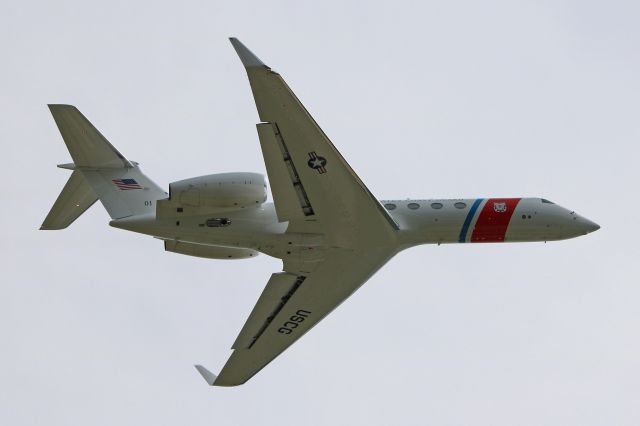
(587, 226)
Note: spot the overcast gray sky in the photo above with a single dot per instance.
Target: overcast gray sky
(425, 100)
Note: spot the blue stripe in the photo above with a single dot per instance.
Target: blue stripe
(467, 221)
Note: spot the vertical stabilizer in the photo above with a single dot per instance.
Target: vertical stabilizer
(99, 172)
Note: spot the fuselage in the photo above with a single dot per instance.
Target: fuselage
(486, 220)
(330, 232)
(438, 221)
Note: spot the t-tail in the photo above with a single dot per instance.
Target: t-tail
(100, 172)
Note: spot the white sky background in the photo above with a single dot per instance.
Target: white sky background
(426, 99)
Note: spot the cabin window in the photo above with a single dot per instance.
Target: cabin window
(436, 206)
(413, 206)
(390, 206)
(218, 222)
(460, 205)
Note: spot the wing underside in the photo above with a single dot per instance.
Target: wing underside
(313, 186)
(317, 193)
(291, 305)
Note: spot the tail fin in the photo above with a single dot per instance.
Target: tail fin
(99, 172)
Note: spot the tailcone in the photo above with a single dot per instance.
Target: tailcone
(144, 224)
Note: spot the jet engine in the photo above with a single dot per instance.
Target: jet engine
(222, 190)
(209, 252)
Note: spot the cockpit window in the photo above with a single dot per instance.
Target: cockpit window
(546, 201)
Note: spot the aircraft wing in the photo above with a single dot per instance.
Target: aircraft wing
(290, 305)
(313, 187)
(342, 233)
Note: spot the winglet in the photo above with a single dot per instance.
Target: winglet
(249, 60)
(207, 375)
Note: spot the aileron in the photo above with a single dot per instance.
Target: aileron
(277, 292)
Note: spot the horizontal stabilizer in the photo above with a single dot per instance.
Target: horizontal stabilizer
(87, 146)
(207, 375)
(76, 197)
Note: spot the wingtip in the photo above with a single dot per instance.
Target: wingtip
(207, 375)
(52, 106)
(248, 58)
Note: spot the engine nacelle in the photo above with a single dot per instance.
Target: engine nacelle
(209, 252)
(221, 190)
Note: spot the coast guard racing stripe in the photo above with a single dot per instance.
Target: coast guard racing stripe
(468, 220)
(493, 220)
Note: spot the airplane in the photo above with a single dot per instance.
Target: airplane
(329, 230)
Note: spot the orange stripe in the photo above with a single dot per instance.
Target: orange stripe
(493, 221)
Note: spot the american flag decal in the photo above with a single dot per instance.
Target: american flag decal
(126, 184)
(316, 162)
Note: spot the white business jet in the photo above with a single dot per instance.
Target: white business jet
(331, 233)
